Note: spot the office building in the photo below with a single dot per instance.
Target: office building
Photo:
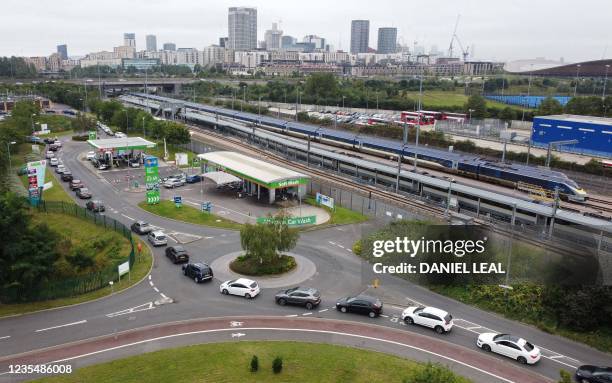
(223, 42)
(129, 40)
(273, 38)
(151, 43)
(62, 50)
(125, 52)
(169, 46)
(387, 40)
(319, 42)
(140, 64)
(287, 42)
(360, 36)
(242, 28)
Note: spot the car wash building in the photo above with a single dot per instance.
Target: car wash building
(260, 178)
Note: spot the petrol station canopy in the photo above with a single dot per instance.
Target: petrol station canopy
(128, 143)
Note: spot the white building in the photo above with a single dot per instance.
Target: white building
(273, 37)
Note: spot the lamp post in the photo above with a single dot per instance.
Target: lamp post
(343, 97)
(127, 121)
(8, 149)
(448, 198)
(144, 133)
(603, 95)
(470, 112)
(576, 85)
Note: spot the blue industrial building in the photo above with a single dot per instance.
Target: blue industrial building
(594, 134)
(525, 101)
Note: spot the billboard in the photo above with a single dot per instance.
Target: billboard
(152, 179)
(181, 159)
(36, 179)
(325, 200)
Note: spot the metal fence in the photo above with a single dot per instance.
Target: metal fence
(69, 287)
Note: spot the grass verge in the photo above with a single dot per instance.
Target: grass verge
(339, 215)
(139, 270)
(302, 362)
(188, 214)
(251, 266)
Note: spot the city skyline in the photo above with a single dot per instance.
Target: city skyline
(513, 33)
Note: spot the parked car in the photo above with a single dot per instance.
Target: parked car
(173, 183)
(49, 141)
(157, 238)
(23, 170)
(177, 254)
(199, 272)
(594, 374)
(83, 193)
(134, 163)
(242, 287)
(360, 304)
(57, 143)
(103, 166)
(76, 184)
(302, 296)
(91, 156)
(67, 176)
(439, 320)
(194, 178)
(511, 346)
(60, 169)
(53, 161)
(177, 176)
(95, 206)
(120, 135)
(54, 148)
(49, 154)
(141, 227)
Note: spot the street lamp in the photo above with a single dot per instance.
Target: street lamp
(8, 149)
(144, 133)
(343, 97)
(127, 121)
(576, 85)
(470, 112)
(448, 198)
(603, 95)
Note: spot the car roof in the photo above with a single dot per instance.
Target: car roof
(201, 265)
(366, 298)
(157, 233)
(435, 311)
(511, 338)
(142, 223)
(178, 248)
(309, 290)
(244, 281)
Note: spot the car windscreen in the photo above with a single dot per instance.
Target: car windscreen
(160, 237)
(84, 190)
(448, 318)
(253, 285)
(528, 346)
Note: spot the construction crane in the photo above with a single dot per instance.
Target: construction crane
(464, 51)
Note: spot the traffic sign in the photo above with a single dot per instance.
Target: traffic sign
(178, 200)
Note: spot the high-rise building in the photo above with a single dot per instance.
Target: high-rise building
(169, 46)
(151, 43)
(242, 28)
(273, 38)
(319, 42)
(62, 51)
(223, 42)
(129, 40)
(360, 36)
(287, 42)
(387, 40)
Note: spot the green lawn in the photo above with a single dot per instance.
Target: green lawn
(230, 362)
(78, 231)
(339, 215)
(446, 99)
(189, 214)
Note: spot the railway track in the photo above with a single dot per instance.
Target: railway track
(416, 206)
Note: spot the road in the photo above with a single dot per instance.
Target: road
(339, 273)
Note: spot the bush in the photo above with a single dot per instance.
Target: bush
(277, 365)
(433, 373)
(566, 377)
(251, 266)
(254, 363)
(80, 138)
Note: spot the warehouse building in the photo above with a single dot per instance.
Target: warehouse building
(594, 134)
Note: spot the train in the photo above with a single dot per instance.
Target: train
(509, 174)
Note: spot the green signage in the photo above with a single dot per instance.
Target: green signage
(291, 221)
(93, 135)
(152, 180)
(287, 183)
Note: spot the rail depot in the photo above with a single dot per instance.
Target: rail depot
(503, 208)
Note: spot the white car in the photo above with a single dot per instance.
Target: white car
(50, 155)
(171, 183)
(58, 143)
(53, 161)
(91, 156)
(242, 287)
(120, 135)
(440, 320)
(157, 238)
(60, 169)
(511, 346)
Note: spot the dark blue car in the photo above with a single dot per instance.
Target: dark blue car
(194, 178)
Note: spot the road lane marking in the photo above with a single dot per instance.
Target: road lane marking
(306, 314)
(143, 307)
(151, 283)
(156, 289)
(4, 337)
(291, 315)
(281, 329)
(62, 325)
(149, 276)
(163, 295)
(128, 217)
(322, 311)
(384, 316)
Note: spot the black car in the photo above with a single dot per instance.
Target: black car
(67, 176)
(76, 184)
(199, 272)
(303, 296)
(594, 374)
(177, 254)
(95, 206)
(83, 193)
(360, 304)
(141, 227)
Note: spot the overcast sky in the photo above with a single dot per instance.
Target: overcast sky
(502, 30)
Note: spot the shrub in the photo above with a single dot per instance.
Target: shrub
(80, 138)
(433, 373)
(566, 377)
(277, 365)
(254, 363)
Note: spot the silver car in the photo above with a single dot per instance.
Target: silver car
(157, 238)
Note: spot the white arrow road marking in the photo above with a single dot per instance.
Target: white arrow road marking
(144, 307)
(128, 217)
(236, 323)
(237, 335)
(62, 325)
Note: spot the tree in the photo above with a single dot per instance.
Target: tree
(321, 86)
(254, 363)
(550, 106)
(83, 123)
(507, 114)
(277, 365)
(478, 105)
(264, 241)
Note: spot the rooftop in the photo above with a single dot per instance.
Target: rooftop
(576, 118)
(121, 143)
(258, 171)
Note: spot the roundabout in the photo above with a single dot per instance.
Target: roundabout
(304, 270)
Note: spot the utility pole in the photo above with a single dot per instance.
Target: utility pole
(576, 85)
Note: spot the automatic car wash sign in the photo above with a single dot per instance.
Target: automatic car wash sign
(288, 183)
(152, 179)
(291, 221)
